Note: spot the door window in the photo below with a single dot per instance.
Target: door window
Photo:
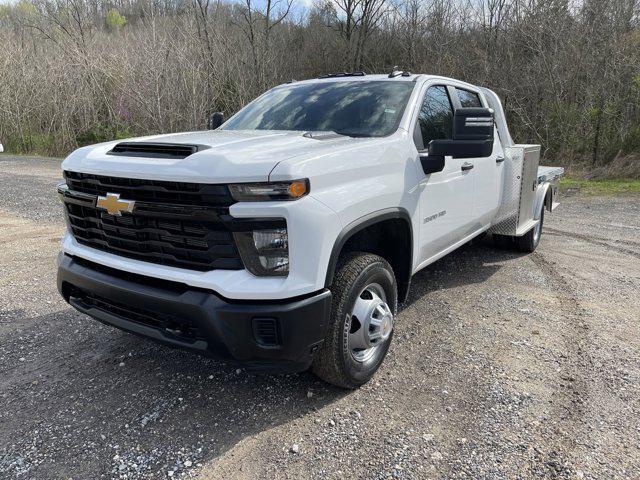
(435, 121)
(468, 99)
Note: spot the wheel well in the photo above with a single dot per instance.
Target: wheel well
(548, 198)
(392, 240)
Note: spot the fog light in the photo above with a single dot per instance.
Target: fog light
(264, 252)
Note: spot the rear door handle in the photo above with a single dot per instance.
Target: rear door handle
(466, 166)
(499, 159)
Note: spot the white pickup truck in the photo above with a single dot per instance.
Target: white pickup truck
(286, 237)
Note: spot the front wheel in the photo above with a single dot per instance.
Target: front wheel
(361, 324)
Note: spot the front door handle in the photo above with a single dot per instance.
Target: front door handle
(499, 159)
(466, 166)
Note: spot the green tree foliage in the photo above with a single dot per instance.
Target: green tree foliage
(115, 20)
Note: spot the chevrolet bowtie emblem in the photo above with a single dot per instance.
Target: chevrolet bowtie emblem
(113, 205)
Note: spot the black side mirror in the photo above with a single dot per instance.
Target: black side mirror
(215, 120)
(431, 163)
(461, 148)
(472, 135)
(473, 124)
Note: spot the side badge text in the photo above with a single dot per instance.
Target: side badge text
(435, 215)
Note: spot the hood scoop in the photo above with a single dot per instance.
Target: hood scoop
(155, 150)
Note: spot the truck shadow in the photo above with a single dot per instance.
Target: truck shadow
(472, 263)
(135, 403)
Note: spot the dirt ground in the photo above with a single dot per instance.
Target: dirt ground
(503, 366)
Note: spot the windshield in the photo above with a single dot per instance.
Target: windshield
(358, 109)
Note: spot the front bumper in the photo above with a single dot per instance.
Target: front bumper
(262, 335)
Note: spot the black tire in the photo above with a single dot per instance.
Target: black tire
(335, 363)
(530, 240)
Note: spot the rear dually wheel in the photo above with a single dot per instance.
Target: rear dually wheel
(530, 240)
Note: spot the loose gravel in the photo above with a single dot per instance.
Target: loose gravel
(503, 366)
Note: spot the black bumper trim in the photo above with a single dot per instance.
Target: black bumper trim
(196, 319)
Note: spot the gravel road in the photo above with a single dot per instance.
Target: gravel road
(503, 366)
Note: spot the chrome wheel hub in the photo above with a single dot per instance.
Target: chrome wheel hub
(371, 323)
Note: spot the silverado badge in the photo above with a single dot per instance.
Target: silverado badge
(113, 205)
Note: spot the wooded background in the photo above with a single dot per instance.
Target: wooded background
(74, 72)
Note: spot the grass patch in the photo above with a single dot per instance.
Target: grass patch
(600, 187)
(29, 155)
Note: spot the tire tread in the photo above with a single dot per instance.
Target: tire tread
(326, 364)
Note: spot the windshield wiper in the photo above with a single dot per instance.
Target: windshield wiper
(322, 134)
(354, 134)
(326, 134)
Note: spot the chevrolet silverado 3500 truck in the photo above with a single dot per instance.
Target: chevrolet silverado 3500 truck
(286, 238)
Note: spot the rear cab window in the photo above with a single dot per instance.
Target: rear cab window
(468, 99)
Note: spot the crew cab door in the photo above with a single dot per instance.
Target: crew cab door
(446, 197)
(487, 170)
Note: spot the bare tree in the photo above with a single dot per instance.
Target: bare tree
(567, 70)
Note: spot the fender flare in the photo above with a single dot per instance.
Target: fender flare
(360, 224)
(541, 196)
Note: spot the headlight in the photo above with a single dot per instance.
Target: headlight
(256, 192)
(264, 252)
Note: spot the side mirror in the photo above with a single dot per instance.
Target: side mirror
(215, 120)
(431, 163)
(472, 135)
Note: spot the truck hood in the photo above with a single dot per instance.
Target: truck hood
(231, 156)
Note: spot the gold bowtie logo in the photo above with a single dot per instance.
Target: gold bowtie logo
(113, 205)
